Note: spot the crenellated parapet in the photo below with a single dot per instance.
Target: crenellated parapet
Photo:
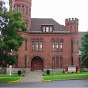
(72, 24)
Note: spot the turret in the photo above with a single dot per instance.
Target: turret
(24, 6)
(72, 25)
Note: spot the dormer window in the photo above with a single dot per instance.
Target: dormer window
(51, 29)
(47, 28)
(43, 29)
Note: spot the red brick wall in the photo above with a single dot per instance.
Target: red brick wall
(47, 53)
(26, 18)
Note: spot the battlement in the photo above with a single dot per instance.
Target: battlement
(26, 1)
(71, 24)
(71, 21)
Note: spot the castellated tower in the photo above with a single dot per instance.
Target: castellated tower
(24, 6)
(72, 25)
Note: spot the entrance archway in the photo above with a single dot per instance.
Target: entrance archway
(37, 64)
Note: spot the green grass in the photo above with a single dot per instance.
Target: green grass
(13, 75)
(8, 79)
(55, 74)
(66, 77)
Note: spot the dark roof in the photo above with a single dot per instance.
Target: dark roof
(80, 36)
(37, 22)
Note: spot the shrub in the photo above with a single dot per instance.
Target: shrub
(19, 72)
(63, 71)
(80, 70)
(48, 72)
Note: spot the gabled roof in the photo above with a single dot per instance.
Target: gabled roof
(37, 22)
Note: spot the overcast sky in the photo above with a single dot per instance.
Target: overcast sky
(59, 10)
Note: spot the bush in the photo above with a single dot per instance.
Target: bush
(48, 72)
(63, 71)
(80, 70)
(19, 72)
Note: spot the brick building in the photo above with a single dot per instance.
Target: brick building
(48, 44)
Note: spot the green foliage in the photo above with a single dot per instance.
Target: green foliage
(19, 72)
(10, 22)
(63, 71)
(84, 50)
(80, 70)
(48, 72)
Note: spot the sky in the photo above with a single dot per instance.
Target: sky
(60, 10)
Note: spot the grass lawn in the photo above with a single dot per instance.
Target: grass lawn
(8, 79)
(65, 77)
(13, 75)
(55, 74)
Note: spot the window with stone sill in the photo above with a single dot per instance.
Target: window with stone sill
(53, 46)
(61, 46)
(36, 46)
(57, 47)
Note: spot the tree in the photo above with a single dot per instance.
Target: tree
(10, 22)
(84, 50)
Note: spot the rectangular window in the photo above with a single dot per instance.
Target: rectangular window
(61, 61)
(18, 8)
(53, 46)
(57, 62)
(47, 29)
(53, 62)
(43, 29)
(33, 46)
(22, 9)
(57, 49)
(25, 45)
(50, 29)
(72, 61)
(26, 10)
(71, 28)
(72, 47)
(40, 46)
(61, 46)
(25, 61)
(36, 46)
(75, 28)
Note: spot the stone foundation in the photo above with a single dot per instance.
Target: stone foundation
(15, 70)
(54, 70)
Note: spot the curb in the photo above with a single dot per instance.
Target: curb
(14, 81)
(45, 80)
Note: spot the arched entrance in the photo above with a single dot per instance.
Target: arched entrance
(37, 64)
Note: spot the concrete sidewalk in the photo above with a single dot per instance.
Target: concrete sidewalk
(32, 77)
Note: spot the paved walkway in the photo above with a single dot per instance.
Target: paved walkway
(32, 77)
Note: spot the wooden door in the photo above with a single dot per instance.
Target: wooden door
(37, 64)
